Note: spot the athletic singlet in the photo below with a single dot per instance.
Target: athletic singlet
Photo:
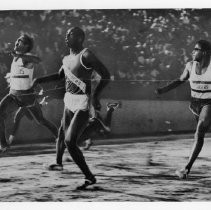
(74, 64)
(20, 76)
(200, 84)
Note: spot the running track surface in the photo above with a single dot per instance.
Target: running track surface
(125, 172)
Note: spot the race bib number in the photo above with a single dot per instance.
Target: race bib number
(21, 71)
(202, 87)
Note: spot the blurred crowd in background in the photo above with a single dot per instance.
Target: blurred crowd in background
(137, 46)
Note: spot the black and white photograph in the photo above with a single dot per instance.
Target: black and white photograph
(105, 104)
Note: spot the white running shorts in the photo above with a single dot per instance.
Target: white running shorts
(75, 102)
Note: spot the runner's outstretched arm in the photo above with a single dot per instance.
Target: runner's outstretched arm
(175, 83)
(49, 78)
(27, 57)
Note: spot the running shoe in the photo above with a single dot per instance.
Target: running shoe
(87, 183)
(183, 173)
(55, 167)
(88, 144)
(113, 105)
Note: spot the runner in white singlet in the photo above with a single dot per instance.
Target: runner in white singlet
(21, 92)
(198, 72)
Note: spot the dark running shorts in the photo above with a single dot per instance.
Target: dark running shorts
(196, 105)
(23, 98)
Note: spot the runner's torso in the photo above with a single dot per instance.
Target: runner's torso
(21, 77)
(74, 64)
(200, 83)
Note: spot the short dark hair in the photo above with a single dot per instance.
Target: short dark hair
(206, 49)
(205, 45)
(78, 31)
(28, 40)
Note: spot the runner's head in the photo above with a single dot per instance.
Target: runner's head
(24, 44)
(74, 37)
(202, 50)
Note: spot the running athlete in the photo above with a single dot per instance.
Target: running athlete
(77, 69)
(21, 92)
(98, 125)
(198, 72)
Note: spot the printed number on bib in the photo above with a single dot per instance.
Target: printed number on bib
(202, 87)
(21, 71)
